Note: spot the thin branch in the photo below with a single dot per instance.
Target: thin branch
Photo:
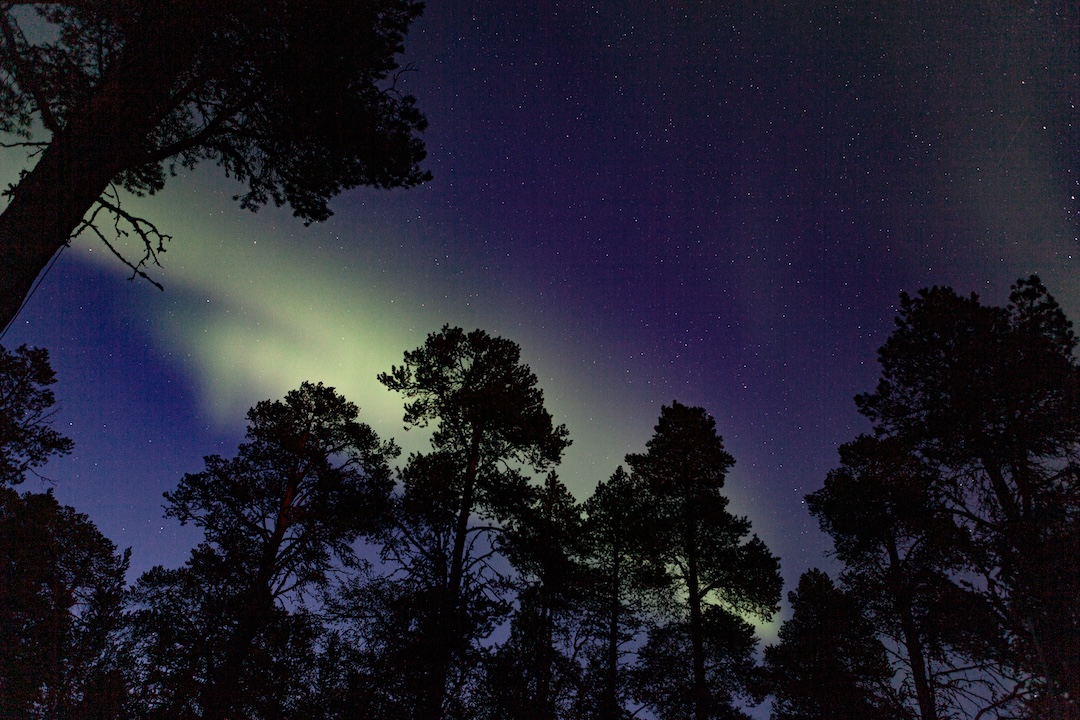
(410, 539)
(1019, 691)
(208, 131)
(26, 143)
(136, 271)
(144, 229)
(486, 528)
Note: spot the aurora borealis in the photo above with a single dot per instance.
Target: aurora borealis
(711, 202)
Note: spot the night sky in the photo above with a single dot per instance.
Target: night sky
(712, 202)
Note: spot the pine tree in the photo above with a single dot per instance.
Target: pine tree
(700, 661)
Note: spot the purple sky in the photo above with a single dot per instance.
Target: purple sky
(698, 201)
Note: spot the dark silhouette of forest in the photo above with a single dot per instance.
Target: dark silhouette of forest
(336, 579)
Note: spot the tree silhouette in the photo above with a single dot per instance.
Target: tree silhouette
(26, 408)
(903, 555)
(308, 482)
(181, 629)
(697, 664)
(61, 580)
(537, 672)
(61, 600)
(490, 424)
(294, 98)
(877, 509)
(991, 397)
(616, 590)
(828, 662)
(418, 643)
(666, 679)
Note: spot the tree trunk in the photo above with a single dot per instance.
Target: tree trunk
(254, 607)
(609, 698)
(224, 691)
(448, 630)
(924, 693)
(45, 211)
(697, 632)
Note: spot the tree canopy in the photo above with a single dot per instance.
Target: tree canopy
(444, 591)
(710, 571)
(962, 508)
(26, 406)
(61, 580)
(828, 662)
(277, 519)
(61, 601)
(294, 98)
(617, 589)
(470, 582)
(902, 554)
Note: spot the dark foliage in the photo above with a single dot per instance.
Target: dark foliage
(61, 580)
(498, 596)
(903, 554)
(293, 98)
(26, 408)
(417, 636)
(214, 635)
(182, 633)
(307, 483)
(446, 582)
(974, 477)
(483, 399)
(711, 572)
(616, 591)
(61, 600)
(828, 662)
(665, 677)
(537, 672)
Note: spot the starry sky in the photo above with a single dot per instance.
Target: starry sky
(714, 202)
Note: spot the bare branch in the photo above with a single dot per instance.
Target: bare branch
(153, 239)
(26, 143)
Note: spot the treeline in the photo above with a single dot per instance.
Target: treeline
(337, 579)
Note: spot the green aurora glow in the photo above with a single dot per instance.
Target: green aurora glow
(254, 312)
(256, 304)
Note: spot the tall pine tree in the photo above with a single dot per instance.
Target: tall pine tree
(309, 481)
(713, 572)
(490, 429)
(991, 397)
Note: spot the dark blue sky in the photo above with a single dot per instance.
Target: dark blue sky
(712, 202)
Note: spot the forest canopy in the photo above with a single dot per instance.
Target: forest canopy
(468, 582)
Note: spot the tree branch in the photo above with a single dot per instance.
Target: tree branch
(26, 143)
(153, 239)
(26, 77)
